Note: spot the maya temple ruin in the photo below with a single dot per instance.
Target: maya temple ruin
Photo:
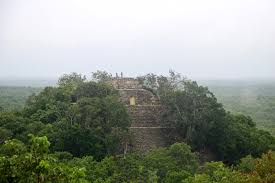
(145, 111)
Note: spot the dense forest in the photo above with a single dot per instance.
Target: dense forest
(75, 131)
(14, 97)
(255, 98)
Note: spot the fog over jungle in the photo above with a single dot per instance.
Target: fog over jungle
(200, 39)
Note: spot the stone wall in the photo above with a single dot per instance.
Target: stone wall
(124, 83)
(142, 96)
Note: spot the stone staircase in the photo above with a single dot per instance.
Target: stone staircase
(146, 127)
(148, 138)
(145, 115)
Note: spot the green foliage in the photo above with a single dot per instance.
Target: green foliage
(265, 167)
(193, 108)
(14, 98)
(196, 113)
(177, 176)
(88, 127)
(255, 98)
(83, 118)
(32, 163)
(202, 121)
(4, 134)
(97, 128)
(135, 168)
(216, 172)
(241, 138)
(260, 170)
(162, 85)
(13, 125)
(247, 164)
(101, 76)
(69, 82)
(168, 161)
(92, 89)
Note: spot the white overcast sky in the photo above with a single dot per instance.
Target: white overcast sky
(198, 38)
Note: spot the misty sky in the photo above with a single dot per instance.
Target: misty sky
(198, 38)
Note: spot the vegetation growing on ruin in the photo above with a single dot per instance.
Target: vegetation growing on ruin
(204, 123)
(79, 130)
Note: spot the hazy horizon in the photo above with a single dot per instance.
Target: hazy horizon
(215, 39)
(52, 81)
(89, 76)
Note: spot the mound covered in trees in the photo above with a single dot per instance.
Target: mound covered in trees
(203, 123)
(87, 127)
(83, 118)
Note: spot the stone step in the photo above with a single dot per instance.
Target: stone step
(146, 115)
(144, 123)
(145, 110)
(146, 139)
